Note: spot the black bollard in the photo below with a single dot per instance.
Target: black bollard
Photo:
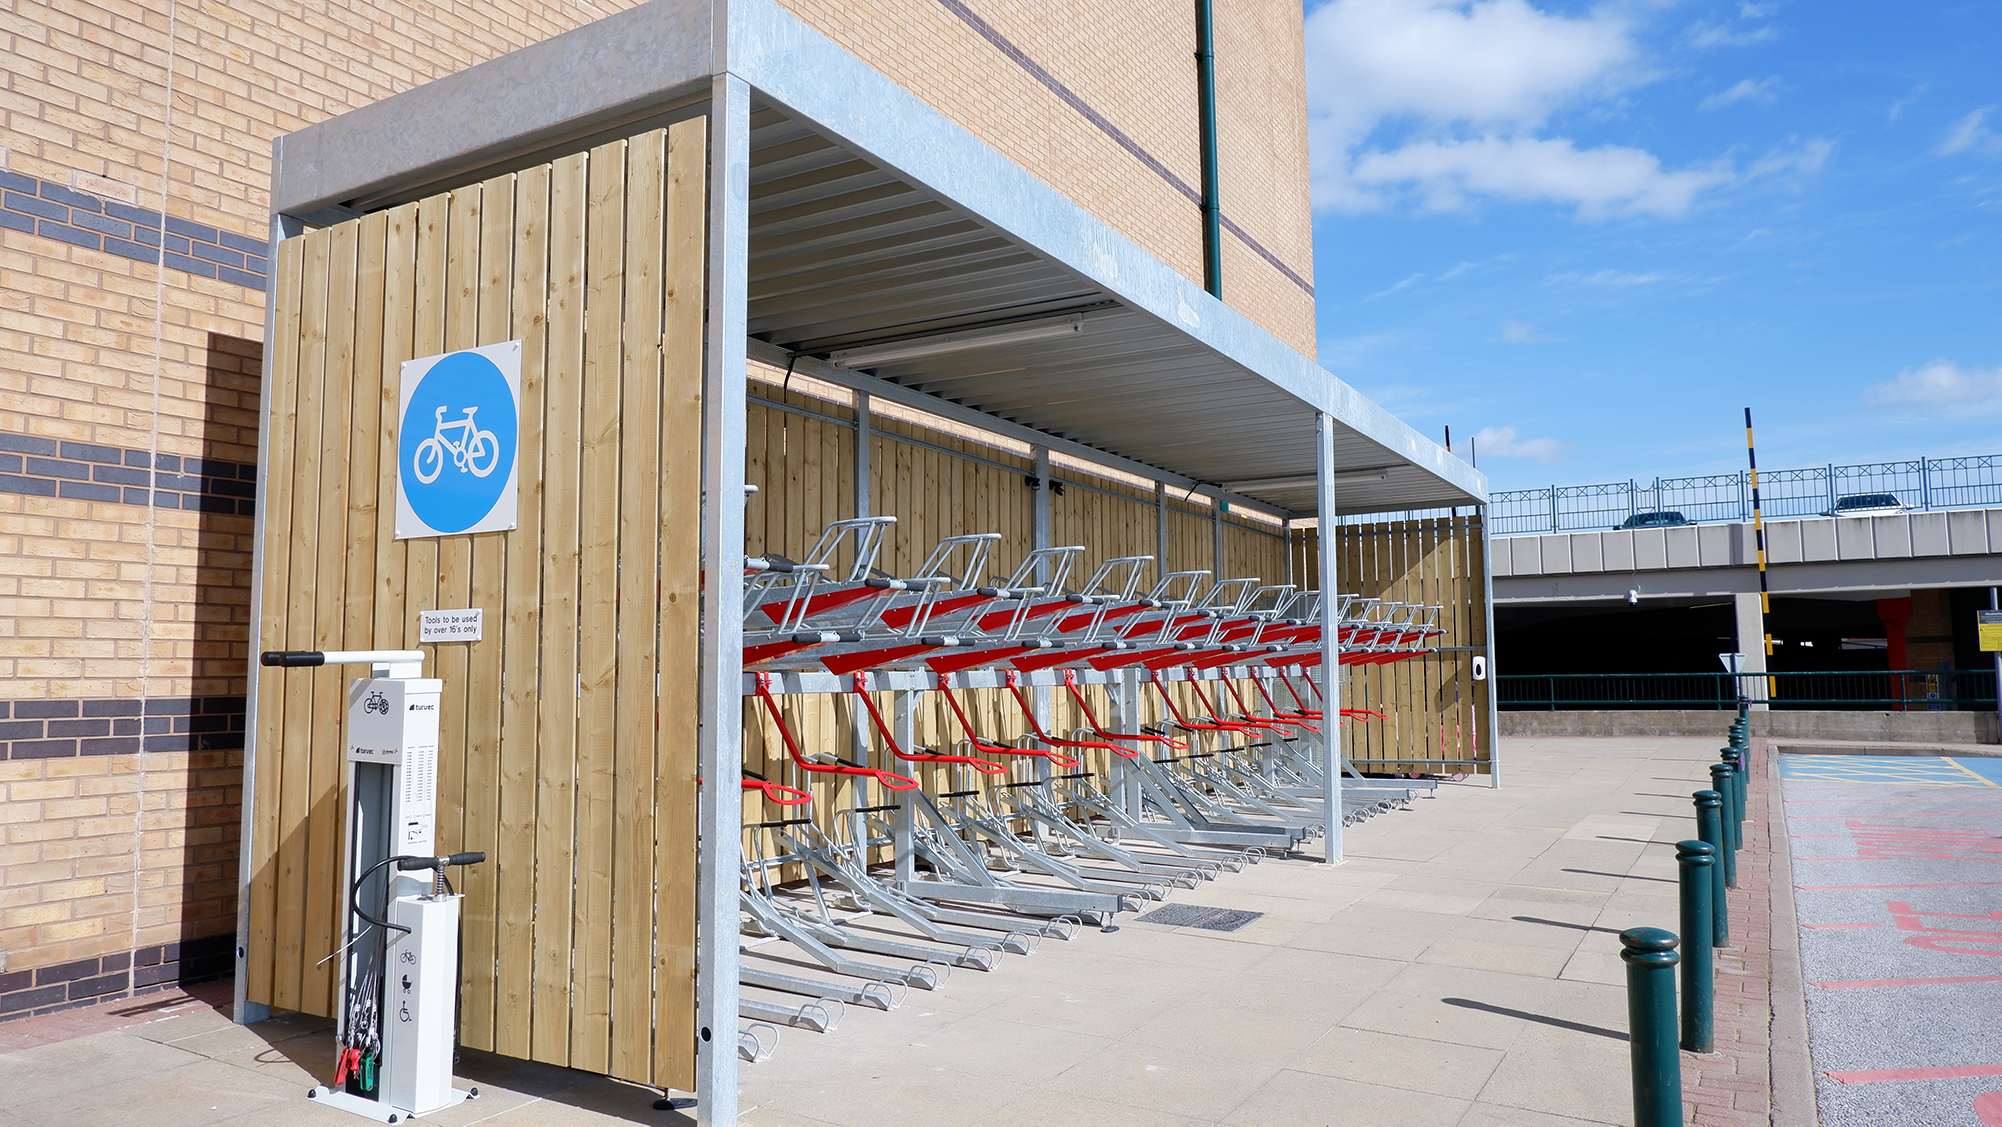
(1710, 827)
(1695, 860)
(1649, 953)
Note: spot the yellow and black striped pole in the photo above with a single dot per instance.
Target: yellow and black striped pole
(1759, 539)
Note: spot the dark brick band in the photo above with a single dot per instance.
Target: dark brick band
(44, 467)
(52, 729)
(54, 211)
(27, 993)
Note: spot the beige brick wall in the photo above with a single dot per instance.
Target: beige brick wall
(104, 857)
(1133, 61)
(104, 854)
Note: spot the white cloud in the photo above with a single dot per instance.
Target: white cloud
(1904, 103)
(1941, 383)
(1609, 180)
(1443, 103)
(1971, 135)
(1522, 332)
(1736, 32)
(1763, 92)
(1618, 278)
(1501, 442)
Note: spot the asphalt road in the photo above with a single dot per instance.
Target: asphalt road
(1897, 866)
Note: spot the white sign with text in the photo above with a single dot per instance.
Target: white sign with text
(450, 625)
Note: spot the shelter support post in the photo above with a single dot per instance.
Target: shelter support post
(245, 1011)
(864, 433)
(1329, 671)
(1751, 633)
(1488, 639)
(1160, 529)
(1216, 537)
(720, 746)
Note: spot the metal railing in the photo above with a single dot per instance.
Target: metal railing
(1925, 484)
(1908, 689)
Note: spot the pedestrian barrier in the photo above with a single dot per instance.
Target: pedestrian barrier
(1694, 860)
(1705, 868)
(1649, 953)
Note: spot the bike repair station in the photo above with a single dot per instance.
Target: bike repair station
(722, 508)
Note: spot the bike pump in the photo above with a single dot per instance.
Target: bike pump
(399, 970)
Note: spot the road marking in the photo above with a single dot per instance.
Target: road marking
(1872, 1075)
(1865, 887)
(1984, 780)
(1984, 860)
(1865, 983)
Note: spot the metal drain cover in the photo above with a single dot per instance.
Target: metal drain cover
(1195, 915)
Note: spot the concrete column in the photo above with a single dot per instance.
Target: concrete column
(1751, 643)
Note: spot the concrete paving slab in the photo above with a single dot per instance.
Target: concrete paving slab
(1166, 1080)
(1441, 1068)
(1041, 1108)
(194, 1093)
(1306, 1098)
(1592, 1090)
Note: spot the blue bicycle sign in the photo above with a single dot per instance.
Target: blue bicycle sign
(456, 469)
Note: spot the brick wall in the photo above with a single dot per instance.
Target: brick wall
(134, 165)
(1100, 101)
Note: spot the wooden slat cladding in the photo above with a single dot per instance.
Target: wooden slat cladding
(1434, 709)
(567, 745)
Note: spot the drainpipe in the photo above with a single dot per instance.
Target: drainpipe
(1206, 93)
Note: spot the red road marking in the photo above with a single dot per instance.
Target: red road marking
(1868, 1076)
(1989, 860)
(1861, 887)
(1837, 927)
(1988, 1108)
(1959, 814)
(1863, 983)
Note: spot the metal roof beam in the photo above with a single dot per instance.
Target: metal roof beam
(772, 354)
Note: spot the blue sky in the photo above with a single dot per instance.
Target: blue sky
(1595, 233)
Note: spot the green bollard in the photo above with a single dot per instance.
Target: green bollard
(1710, 827)
(1695, 860)
(1727, 846)
(1740, 776)
(1649, 953)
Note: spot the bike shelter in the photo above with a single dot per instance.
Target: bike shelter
(729, 202)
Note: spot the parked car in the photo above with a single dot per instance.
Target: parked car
(1866, 505)
(1656, 520)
